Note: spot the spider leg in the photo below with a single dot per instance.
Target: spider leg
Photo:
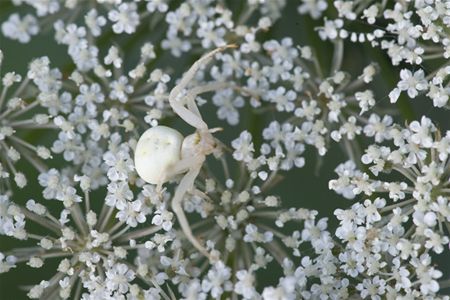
(188, 116)
(183, 165)
(191, 114)
(192, 93)
(187, 183)
(200, 194)
(191, 117)
(180, 167)
(187, 77)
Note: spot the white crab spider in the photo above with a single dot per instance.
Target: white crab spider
(163, 153)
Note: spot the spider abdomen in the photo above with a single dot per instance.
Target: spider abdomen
(156, 151)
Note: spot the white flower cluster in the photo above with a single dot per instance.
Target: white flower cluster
(403, 229)
(267, 95)
(15, 105)
(413, 34)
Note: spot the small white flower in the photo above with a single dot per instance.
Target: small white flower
(20, 29)
(243, 147)
(314, 7)
(126, 18)
(245, 285)
(228, 105)
(422, 132)
(412, 83)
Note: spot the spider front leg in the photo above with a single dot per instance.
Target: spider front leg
(186, 184)
(191, 114)
(195, 91)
